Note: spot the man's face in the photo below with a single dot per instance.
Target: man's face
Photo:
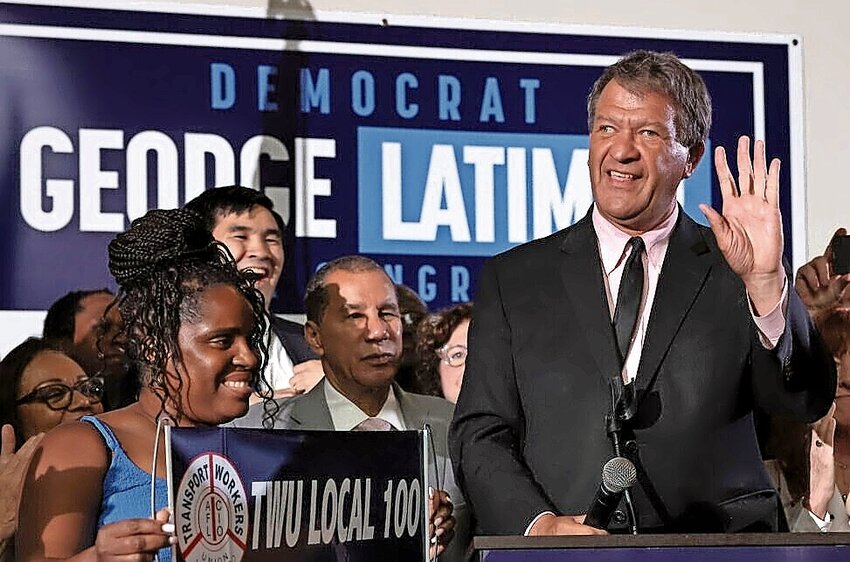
(256, 243)
(359, 337)
(90, 325)
(635, 161)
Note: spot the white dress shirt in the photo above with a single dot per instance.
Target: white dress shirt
(345, 414)
(279, 369)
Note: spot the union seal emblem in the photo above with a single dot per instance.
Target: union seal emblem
(211, 511)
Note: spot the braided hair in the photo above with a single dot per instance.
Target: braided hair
(162, 265)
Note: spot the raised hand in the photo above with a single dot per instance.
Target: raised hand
(749, 230)
(134, 540)
(821, 465)
(13, 465)
(819, 287)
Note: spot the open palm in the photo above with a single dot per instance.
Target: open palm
(749, 230)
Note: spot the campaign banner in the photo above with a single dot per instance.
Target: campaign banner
(427, 144)
(253, 495)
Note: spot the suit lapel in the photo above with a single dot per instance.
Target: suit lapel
(686, 267)
(581, 273)
(310, 411)
(414, 415)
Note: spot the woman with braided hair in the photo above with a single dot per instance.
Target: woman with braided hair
(194, 330)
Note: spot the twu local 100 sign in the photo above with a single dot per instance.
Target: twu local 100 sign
(255, 495)
(429, 145)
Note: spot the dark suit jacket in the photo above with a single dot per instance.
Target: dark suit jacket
(529, 429)
(310, 411)
(291, 335)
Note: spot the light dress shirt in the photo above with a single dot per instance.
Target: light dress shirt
(345, 414)
(279, 369)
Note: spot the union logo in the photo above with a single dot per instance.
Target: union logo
(211, 511)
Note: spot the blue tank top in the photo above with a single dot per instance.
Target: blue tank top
(126, 487)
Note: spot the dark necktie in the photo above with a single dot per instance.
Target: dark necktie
(629, 297)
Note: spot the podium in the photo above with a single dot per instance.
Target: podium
(767, 547)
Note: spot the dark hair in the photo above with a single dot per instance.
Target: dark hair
(162, 264)
(834, 327)
(316, 295)
(60, 322)
(646, 71)
(434, 332)
(217, 202)
(11, 371)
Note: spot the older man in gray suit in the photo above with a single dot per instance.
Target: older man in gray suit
(354, 326)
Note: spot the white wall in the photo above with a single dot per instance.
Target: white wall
(826, 55)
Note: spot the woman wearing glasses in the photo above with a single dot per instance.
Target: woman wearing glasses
(441, 348)
(194, 331)
(40, 388)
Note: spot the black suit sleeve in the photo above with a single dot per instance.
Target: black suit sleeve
(797, 378)
(291, 335)
(487, 432)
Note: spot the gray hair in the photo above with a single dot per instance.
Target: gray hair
(648, 71)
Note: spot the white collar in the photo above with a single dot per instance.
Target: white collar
(345, 414)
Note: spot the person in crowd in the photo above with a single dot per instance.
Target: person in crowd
(245, 221)
(194, 327)
(354, 324)
(86, 325)
(413, 311)
(441, 350)
(638, 316)
(811, 465)
(40, 388)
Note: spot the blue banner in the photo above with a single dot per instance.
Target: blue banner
(428, 147)
(246, 495)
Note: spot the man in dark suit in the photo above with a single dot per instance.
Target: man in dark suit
(245, 221)
(689, 327)
(354, 324)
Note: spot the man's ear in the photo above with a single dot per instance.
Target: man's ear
(694, 156)
(314, 339)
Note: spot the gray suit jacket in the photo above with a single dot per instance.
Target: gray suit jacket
(310, 412)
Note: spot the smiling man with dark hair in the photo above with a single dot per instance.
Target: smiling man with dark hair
(245, 221)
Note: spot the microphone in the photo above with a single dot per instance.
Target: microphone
(618, 474)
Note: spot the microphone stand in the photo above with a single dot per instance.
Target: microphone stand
(614, 426)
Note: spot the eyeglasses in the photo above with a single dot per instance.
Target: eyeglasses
(58, 396)
(454, 356)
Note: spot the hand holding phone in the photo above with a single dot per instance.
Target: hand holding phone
(841, 254)
(823, 282)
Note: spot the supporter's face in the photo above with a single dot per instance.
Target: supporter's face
(256, 243)
(451, 376)
(46, 369)
(359, 337)
(218, 360)
(842, 394)
(635, 161)
(90, 324)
